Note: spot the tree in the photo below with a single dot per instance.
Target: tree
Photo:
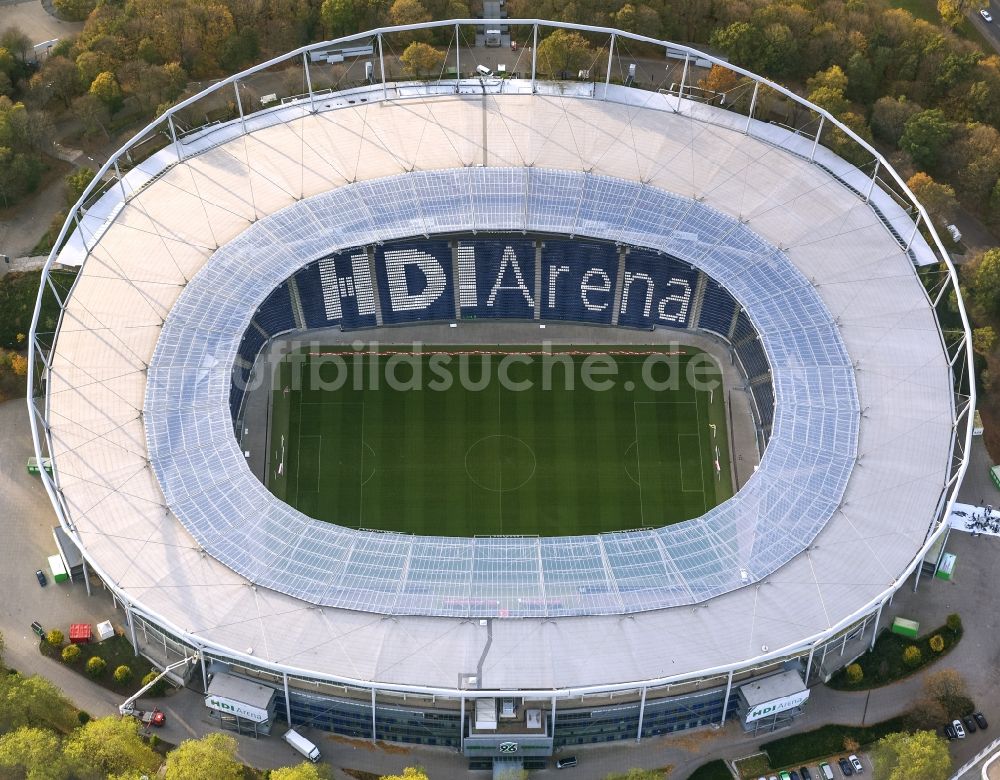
(409, 12)
(421, 59)
(833, 77)
(33, 701)
(93, 114)
(983, 341)
(889, 117)
(564, 52)
(17, 43)
(938, 199)
(105, 88)
(55, 637)
(71, 653)
(948, 688)
(954, 11)
(985, 289)
(855, 673)
(720, 80)
(112, 746)
(922, 755)
(937, 641)
(303, 771)
(95, 666)
(339, 17)
(76, 183)
(639, 19)
(34, 751)
(924, 135)
(74, 10)
(122, 674)
(954, 620)
(912, 656)
(60, 78)
(409, 773)
(213, 757)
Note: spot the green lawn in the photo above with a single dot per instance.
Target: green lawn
(485, 457)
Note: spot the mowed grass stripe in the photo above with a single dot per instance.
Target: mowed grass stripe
(572, 446)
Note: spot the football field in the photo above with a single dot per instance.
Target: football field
(477, 441)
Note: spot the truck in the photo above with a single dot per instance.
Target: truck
(302, 745)
(147, 718)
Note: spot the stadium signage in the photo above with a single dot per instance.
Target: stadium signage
(519, 278)
(775, 706)
(237, 708)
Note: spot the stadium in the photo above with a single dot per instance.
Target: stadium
(348, 210)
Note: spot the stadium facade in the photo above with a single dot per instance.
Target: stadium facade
(402, 202)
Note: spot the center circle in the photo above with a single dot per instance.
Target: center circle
(500, 463)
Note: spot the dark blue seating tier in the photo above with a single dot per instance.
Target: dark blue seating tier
(763, 394)
(717, 309)
(578, 280)
(275, 313)
(414, 281)
(657, 290)
(744, 330)
(337, 290)
(753, 358)
(252, 341)
(496, 278)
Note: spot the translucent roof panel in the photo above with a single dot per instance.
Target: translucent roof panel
(207, 484)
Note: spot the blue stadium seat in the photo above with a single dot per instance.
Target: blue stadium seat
(657, 290)
(275, 313)
(337, 290)
(752, 357)
(717, 309)
(414, 281)
(763, 394)
(496, 278)
(578, 280)
(252, 341)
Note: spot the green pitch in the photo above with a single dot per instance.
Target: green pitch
(482, 458)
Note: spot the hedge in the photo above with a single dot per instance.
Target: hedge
(800, 748)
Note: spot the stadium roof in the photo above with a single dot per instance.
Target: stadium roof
(192, 217)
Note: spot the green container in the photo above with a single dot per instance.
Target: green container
(33, 467)
(947, 567)
(905, 627)
(995, 475)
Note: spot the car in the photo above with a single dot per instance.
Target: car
(37, 628)
(845, 767)
(986, 15)
(804, 771)
(40, 576)
(794, 774)
(980, 720)
(970, 724)
(784, 776)
(564, 763)
(959, 728)
(949, 732)
(856, 763)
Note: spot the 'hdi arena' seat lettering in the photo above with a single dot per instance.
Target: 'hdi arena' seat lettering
(513, 278)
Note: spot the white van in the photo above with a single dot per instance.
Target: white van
(827, 772)
(302, 745)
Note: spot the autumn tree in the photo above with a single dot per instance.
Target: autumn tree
(922, 755)
(938, 199)
(303, 771)
(985, 286)
(112, 746)
(422, 59)
(564, 52)
(889, 117)
(34, 751)
(213, 757)
(76, 183)
(638, 18)
(105, 88)
(409, 773)
(924, 136)
(409, 12)
(954, 11)
(948, 688)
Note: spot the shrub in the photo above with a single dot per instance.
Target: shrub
(55, 637)
(159, 688)
(855, 673)
(123, 674)
(95, 666)
(154, 741)
(937, 643)
(83, 717)
(71, 653)
(954, 622)
(912, 656)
